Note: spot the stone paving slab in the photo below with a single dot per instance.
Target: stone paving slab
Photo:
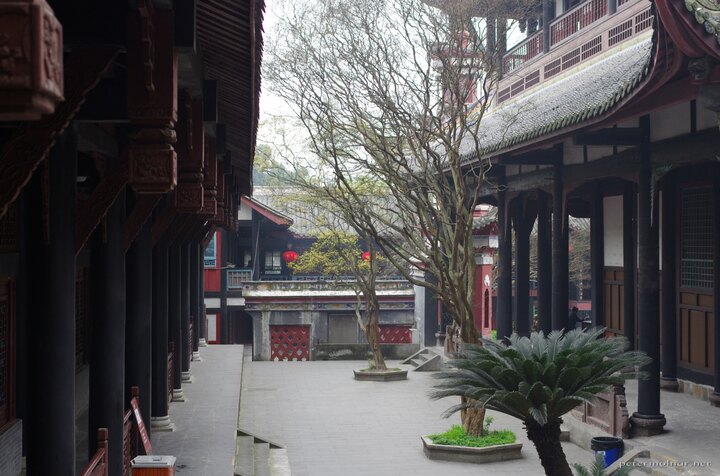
(336, 426)
(204, 439)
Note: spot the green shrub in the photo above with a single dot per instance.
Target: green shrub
(456, 436)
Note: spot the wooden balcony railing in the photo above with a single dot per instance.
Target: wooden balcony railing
(576, 19)
(170, 370)
(98, 464)
(236, 277)
(524, 52)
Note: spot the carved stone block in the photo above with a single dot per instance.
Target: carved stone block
(31, 60)
(153, 168)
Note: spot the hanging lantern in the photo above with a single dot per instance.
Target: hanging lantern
(366, 256)
(289, 256)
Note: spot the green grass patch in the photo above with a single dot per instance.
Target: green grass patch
(373, 369)
(456, 436)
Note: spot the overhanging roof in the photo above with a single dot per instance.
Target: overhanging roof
(267, 212)
(230, 37)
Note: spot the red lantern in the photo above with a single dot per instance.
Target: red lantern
(289, 256)
(366, 256)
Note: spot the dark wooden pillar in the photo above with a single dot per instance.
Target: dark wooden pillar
(612, 6)
(523, 220)
(138, 324)
(49, 254)
(174, 327)
(108, 392)
(160, 268)
(544, 265)
(201, 285)
(648, 420)
(195, 297)
(503, 317)
(668, 381)
(559, 253)
(548, 13)
(224, 314)
(629, 263)
(185, 310)
(597, 255)
(715, 396)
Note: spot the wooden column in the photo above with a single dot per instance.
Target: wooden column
(548, 13)
(648, 420)
(559, 253)
(159, 411)
(108, 392)
(668, 381)
(185, 310)
(138, 324)
(715, 396)
(503, 317)
(49, 259)
(224, 315)
(174, 327)
(629, 263)
(597, 254)
(196, 296)
(544, 265)
(523, 220)
(201, 304)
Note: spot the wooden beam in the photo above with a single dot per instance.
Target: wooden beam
(30, 145)
(144, 207)
(550, 156)
(163, 222)
(91, 213)
(614, 136)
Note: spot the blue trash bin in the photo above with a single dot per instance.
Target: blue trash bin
(608, 446)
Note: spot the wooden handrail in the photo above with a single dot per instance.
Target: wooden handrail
(98, 465)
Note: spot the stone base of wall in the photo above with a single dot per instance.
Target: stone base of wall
(697, 390)
(11, 449)
(362, 351)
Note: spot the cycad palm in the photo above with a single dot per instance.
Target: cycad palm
(539, 379)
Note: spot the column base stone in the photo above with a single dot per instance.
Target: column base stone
(162, 423)
(647, 425)
(715, 399)
(669, 384)
(196, 357)
(186, 377)
(202, 343)
(178, 395)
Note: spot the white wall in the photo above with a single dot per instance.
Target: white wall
(613, 224)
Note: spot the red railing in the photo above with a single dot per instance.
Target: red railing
(395, 334)
(170, 370)
(131, 438)
(98, 464)
(577, 19)
(524, 52)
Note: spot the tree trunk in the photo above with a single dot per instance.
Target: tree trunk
(472, 419)
(372, 332)
(546, 439)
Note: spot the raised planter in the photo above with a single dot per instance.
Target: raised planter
(467, 454)
(380, 375)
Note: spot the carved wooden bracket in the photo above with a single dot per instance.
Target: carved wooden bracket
(91, 213)
(31, 60)
(210, 174)
(189, 196)
(140, 214)
(152, 109)
(28, 147)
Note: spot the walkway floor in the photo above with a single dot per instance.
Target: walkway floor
(333, 425)
(204, 439)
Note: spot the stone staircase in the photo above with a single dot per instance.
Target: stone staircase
(425, 360)
(255, 456)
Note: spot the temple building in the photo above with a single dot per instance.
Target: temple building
(127, 135)
(614, 107)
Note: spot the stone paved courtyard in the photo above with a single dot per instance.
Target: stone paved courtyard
(335, 426)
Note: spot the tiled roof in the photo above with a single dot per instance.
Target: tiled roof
(707, 13)
(591, 91)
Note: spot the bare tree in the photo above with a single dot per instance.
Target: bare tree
(392, 95)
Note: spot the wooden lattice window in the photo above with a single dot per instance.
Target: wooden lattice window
(7, 352)
(696, 238)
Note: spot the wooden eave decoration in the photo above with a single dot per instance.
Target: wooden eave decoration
(31, 60)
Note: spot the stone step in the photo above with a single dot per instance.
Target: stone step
(244, 455)
(261, 457)
(417, 362)
(279, 462)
